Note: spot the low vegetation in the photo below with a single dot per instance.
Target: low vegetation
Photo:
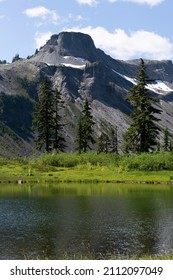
(89, 256)
(93, 167)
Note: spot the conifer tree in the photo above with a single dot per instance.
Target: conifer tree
(142, 134)
(170, 144)
(79, 141)
(58, 139)
(47, 121)
(100, 144)
(43, 117)
(114, 140)
(108, 142)
(166, 142)
(84, 135)
(158, 146)
(16, 57)
(103, 143)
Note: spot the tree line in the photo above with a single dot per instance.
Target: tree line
(141, 136)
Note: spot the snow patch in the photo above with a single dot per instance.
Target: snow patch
(76, 58)
(158, 86)
(74, 62)
(73, 65)
(132, 80)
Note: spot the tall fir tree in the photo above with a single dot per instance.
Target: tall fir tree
(108, 142)
(103, 143)
(58, 138)
(84, 136)
(43, 117)
(79, 141)
(142, 134)
(166, 141)
(114, 140)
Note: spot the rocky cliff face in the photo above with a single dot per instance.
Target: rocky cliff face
(67, 46)
(79, 70)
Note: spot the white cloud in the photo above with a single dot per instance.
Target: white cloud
(43, 13)
(76, 17)
(121, 45)
(148, 2)
(42, 38)
(88, 2)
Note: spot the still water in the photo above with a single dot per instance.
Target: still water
(85, 219)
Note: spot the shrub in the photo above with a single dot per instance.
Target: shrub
(74, 159)
(148, 161)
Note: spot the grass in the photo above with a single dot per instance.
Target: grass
(89, 256)
(89, 167)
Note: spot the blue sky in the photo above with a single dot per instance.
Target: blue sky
(125, 29)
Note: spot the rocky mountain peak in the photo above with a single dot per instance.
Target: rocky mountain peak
(67, 44)
(75, 44)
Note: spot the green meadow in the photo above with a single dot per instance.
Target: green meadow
(151, 168)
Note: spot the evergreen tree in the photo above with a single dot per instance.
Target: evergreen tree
(158, 146)
(166, 144)
(108, 142)
(79, 141)
(16, 57)
(3, 61)
(43, 117)
(142, 134)
(114, 140)
(100, 144)
(84, 135)
(103, 143)
(58, 139)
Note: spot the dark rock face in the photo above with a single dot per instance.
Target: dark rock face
(67, 44)
(79, 70)
(75, 44)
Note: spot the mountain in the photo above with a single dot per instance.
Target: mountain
(79, 70)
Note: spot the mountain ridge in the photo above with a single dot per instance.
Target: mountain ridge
(79, 70)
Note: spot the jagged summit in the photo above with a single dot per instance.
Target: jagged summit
(65, 46)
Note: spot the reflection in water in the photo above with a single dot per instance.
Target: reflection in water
(95, 220)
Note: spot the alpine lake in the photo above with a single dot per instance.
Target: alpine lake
(70, 220)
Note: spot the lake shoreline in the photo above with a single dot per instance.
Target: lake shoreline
(96, 176)
(20, 182)
(147, 169)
